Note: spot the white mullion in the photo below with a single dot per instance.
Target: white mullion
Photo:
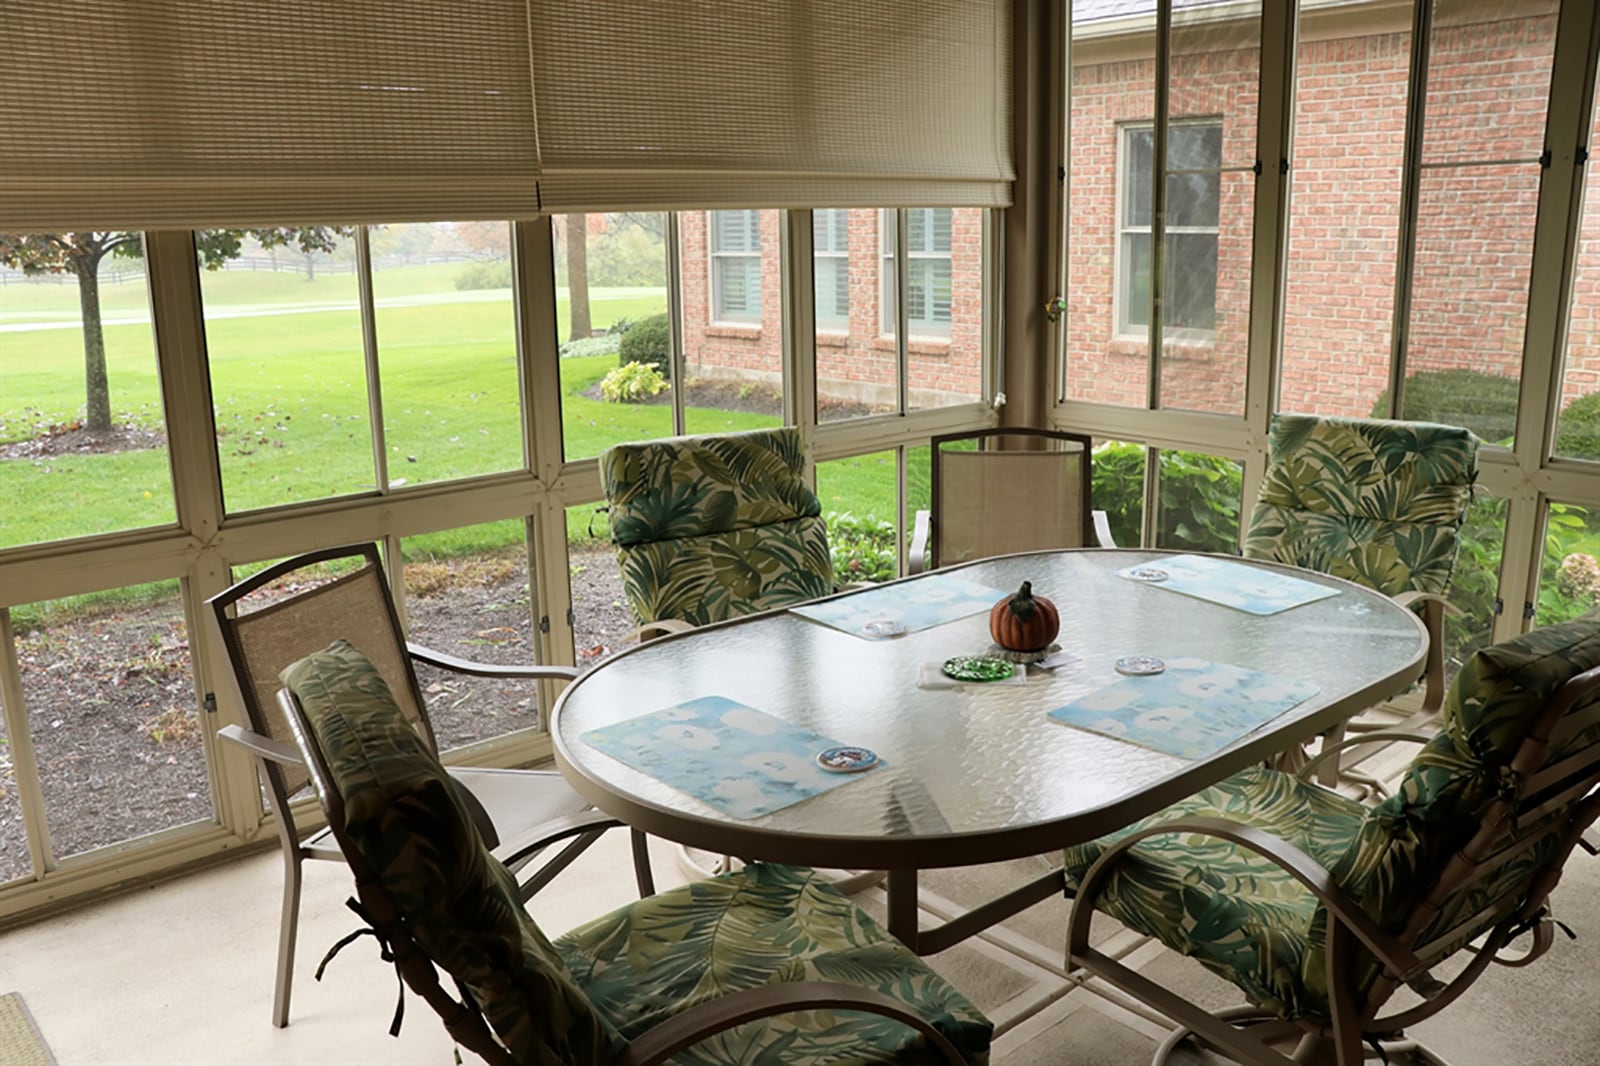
(902, 309)
(1410, 202)
(369, 354)
(675, 354)
(1556, 244)
(1269, 242)
(24, 765)
(799, 341)
(539, 357)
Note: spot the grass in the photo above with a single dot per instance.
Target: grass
(289, 392)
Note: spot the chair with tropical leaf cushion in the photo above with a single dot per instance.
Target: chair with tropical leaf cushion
(1320, 909)
(766, 965)
(715, 527)
(1374, 501)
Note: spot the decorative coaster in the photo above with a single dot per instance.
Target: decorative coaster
(978, 668)
(1140, 665)
(1148, 573)
(883, 627)
(1023, 657)
(847, 760)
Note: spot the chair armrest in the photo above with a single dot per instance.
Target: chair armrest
(917, 554)
(541, 836)
(472, 666)
(1328, 750)
(1397, 958)
(262, 747)
(1433, 610)
(680, 1031)
(1102, 529)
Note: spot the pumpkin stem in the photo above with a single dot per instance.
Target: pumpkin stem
(1022, 603)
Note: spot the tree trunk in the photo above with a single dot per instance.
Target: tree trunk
(311, 267)
(578, 276)
(97, 390)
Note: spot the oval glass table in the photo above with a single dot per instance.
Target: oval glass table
(979, 773)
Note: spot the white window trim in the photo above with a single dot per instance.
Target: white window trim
(714, 311)
(887, 278)
(1120, 330)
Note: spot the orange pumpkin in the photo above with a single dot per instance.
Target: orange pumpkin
(1024, 622)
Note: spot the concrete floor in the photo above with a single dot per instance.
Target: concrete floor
(182, 973)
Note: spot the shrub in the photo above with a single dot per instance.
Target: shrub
(863, 549)
(649, 341)
(1199, 493)
(1483, 403)
(632, 383)
(606, 345)
(1578, 429)
(495, 274)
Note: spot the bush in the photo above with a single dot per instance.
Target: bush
(1200, 494)
(606, 345)
(495, 274)
(1483, 403)
(648, 341)
(863, 549)
(1578, 429)
(632, 383)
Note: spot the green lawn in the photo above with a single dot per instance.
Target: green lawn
(290, 399)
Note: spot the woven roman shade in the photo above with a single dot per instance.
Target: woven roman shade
(152, 114)
(184, 114)
(784, 103)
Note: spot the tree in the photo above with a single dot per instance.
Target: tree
(578, 276)
(80, 254)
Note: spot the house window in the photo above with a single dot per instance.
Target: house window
(927, 272)
(830, 247)
(735, 266)
(1194, 194)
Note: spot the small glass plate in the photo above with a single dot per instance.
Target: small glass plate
(1140, 665)
(847, 760)
(1151, 574)
(883, 627)
(978, 668)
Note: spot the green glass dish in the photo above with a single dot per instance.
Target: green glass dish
(978, 668)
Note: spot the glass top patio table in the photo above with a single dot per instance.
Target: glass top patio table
(977, 774)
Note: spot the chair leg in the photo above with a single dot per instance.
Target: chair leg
(641, 864)
(288, 927)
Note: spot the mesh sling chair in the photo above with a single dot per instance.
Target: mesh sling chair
(768, 965)
(986, 501)
(1320, 909)
(1377, 502)
(522, 813)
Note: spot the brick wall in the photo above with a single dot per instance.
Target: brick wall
(1487, 97)
(853, 364)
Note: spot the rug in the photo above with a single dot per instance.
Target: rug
(20, 1042)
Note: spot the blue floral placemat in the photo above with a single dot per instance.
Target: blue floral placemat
(742, 761)
(907, 605)
(1253, 589)
(1193, 709)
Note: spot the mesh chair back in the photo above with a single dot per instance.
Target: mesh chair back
(356, 607)
(995, 502)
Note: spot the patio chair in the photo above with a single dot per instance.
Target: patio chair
(986, 501)
(521, 813)
(1377, 502)
(769, 958)
(715, 527)
(1320, 909)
